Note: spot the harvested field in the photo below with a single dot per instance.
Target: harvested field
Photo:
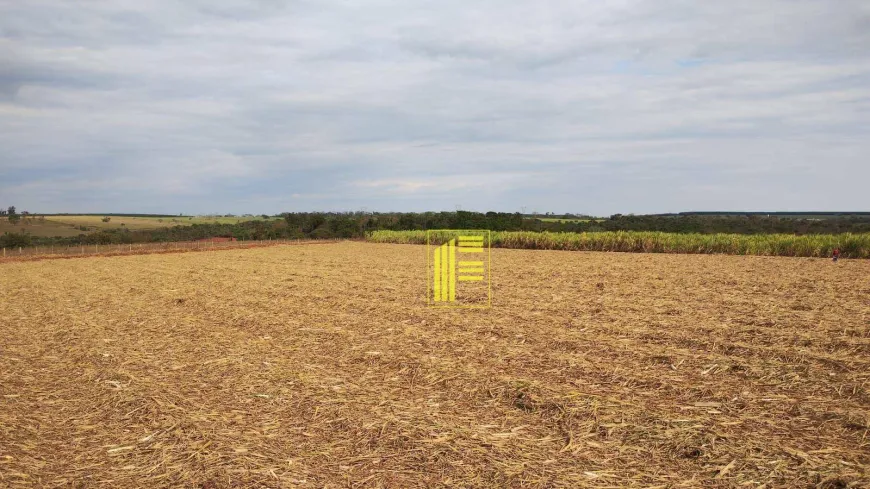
(36, 253)
(320, 366)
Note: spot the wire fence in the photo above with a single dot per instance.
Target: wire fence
(142, 248)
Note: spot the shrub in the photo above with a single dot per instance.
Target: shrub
(322, 232)
(14, 240)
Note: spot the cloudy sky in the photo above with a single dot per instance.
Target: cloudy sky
(565, 106)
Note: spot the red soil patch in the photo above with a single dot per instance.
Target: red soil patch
(259, 244)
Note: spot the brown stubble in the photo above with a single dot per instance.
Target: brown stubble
(322, 366)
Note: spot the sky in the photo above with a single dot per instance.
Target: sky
(594, 107)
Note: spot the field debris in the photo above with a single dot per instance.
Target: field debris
(298, 366)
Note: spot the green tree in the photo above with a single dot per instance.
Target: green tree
(13, 216)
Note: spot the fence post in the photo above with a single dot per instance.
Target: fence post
(4, 252)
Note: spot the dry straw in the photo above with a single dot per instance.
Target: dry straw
(321, 366)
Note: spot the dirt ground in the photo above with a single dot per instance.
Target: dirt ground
(321, 366)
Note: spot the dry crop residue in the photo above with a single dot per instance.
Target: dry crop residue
(296, 366)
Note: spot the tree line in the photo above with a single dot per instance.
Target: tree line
(734, 224)
(345, 225)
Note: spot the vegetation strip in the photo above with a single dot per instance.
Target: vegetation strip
(816, 245)
(27, 229)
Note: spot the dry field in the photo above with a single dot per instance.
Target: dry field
(137, 222)
(320, 366)
(69, 225)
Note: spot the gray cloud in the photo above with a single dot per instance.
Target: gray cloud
(240, 106)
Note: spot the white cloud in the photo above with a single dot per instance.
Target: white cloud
(582, 106)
